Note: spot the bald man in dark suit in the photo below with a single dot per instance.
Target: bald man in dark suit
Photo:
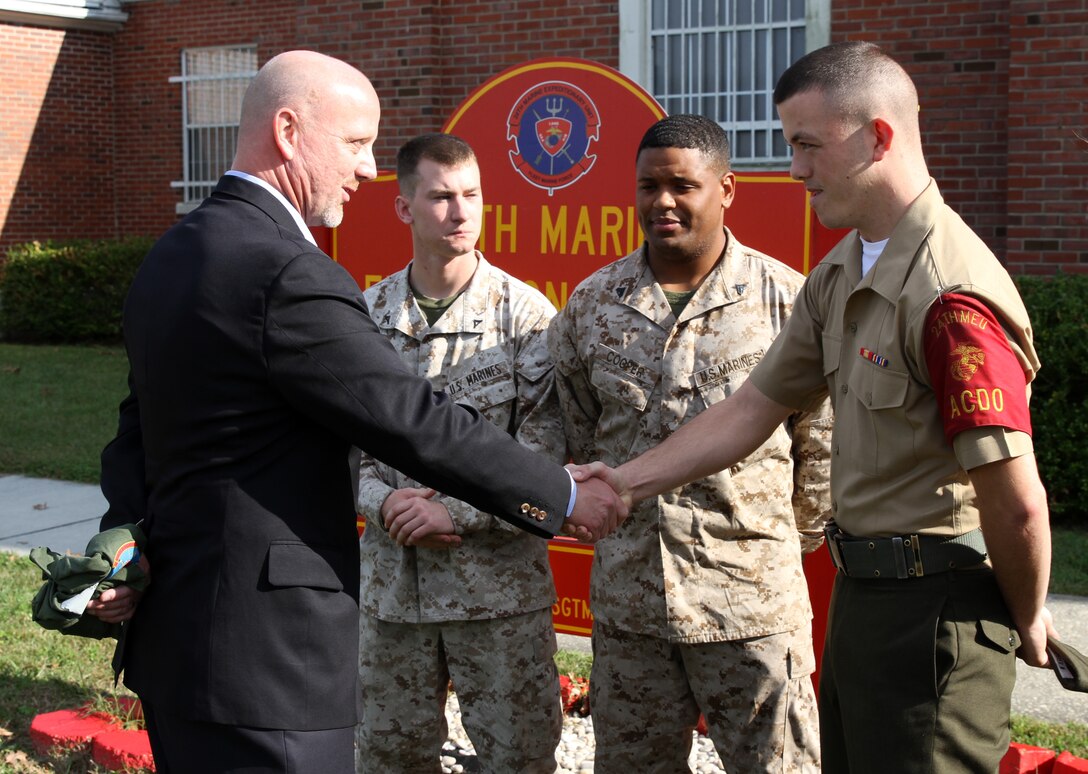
(254, 369)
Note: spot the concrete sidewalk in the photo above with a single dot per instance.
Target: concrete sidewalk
(64, 516)
(40, 512)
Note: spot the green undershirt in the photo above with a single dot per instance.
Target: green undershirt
(433, 308)
(678, 299)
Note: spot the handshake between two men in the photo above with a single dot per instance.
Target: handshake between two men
(413, 517)
(603, 503)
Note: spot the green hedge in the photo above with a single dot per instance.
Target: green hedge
(74, 291)
(67, 292)
(1058, 307)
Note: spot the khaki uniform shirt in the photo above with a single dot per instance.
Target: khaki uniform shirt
(488, 350)
(862, 342)
(719, 559)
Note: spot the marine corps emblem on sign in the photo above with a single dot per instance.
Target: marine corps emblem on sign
(552, 125)
(970, 360)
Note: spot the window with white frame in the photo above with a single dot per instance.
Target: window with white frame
(721, 59)
(213, 81)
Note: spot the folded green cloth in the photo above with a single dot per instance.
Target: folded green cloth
(111, 559)
(1069, 664)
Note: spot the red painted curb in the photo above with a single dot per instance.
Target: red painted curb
(1025, 759)
(123, 750)
(1067, 764)
(126, 707)
(118, 749)
(66, 730)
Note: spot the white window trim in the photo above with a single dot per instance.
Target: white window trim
(635, 52)
(635, 41)
(188, 205)
(92, 15)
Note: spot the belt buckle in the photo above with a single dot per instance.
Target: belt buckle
(908, 549)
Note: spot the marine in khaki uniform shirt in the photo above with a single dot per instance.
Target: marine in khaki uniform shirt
(699, 600)
(475, 609)
(918, 336)
(894, 472)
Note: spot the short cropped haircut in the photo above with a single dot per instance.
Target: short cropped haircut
(856, 75)
(445, 149)
(687, 130)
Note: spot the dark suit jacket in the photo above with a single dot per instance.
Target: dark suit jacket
(254, 368)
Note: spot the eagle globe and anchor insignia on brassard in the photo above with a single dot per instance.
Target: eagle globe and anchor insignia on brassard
(552, 125)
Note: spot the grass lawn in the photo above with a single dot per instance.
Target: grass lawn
(1069, 565)
(41, 671)
(59, 408)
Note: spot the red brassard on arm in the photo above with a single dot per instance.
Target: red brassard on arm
(976, 377)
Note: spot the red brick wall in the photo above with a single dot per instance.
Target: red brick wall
(423, 57)
(1003, 88)
(426, 57)
(958, 58)
(148, 120)
(1048, 164)
(56, 135)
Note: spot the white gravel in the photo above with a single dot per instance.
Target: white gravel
(575, 753)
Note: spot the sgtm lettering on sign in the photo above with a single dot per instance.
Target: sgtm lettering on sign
(572, 607)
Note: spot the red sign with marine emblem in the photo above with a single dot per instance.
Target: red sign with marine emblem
(553, 125)
(556, 142)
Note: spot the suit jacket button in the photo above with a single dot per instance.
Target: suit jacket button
(534, 511)
(543, 515)
(525, 507)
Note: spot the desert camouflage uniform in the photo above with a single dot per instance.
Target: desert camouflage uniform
(480, 613)
(699, 597)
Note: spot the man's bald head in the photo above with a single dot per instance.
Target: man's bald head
(307, 128)
(299, 80)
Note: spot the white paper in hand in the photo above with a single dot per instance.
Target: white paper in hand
(78, 603)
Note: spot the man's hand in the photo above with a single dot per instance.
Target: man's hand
(598, 509)
(414, 519)
(119, 603)
(115, 605)
(1032, 649)
(610, 476)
